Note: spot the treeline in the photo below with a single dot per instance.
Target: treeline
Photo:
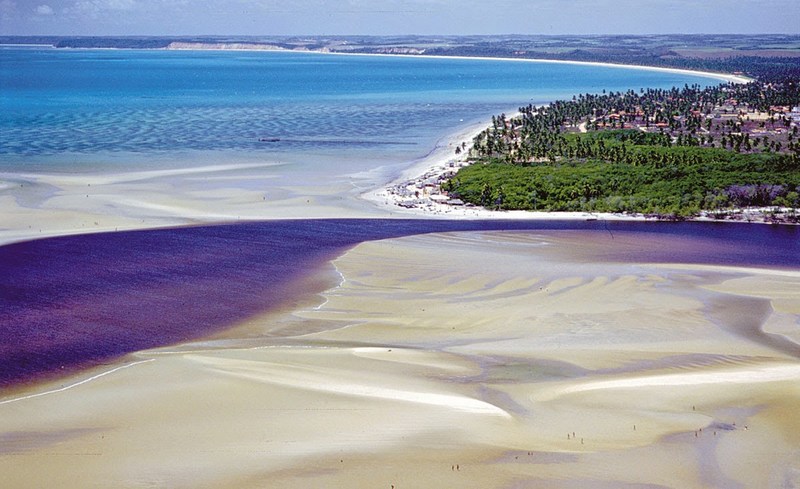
(666, 181)
(578, 155)
(539, 132)
(147, 42)
(637, 148)
(112, 43)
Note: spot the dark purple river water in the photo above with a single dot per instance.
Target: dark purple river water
(77, 301)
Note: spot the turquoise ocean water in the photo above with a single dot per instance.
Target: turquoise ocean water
(68, 110)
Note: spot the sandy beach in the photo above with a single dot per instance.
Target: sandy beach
(484, 359)
(727, 77)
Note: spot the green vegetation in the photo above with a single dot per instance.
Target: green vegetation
(651, 180)
(670, 153)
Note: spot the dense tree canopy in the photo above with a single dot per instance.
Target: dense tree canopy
(665, 152)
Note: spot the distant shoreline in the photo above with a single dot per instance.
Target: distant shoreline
(245, 47)
(728, 77)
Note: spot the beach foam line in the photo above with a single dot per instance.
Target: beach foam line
(76, 384)
(752, 375)
(314, 379)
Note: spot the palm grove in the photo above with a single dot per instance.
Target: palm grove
(669, 153)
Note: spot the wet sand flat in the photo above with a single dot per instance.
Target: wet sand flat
(38, 205)
(481, 359)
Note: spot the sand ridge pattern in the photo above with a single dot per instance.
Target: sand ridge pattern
(494, 359)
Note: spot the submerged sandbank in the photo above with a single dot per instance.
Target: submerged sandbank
(39, 205)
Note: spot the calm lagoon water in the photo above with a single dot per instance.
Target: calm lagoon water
(78, 109)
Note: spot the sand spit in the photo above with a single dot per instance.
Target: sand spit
(724, 77)
(419, 53)
(476, 360)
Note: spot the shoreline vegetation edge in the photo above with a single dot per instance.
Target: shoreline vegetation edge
(426, 174)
